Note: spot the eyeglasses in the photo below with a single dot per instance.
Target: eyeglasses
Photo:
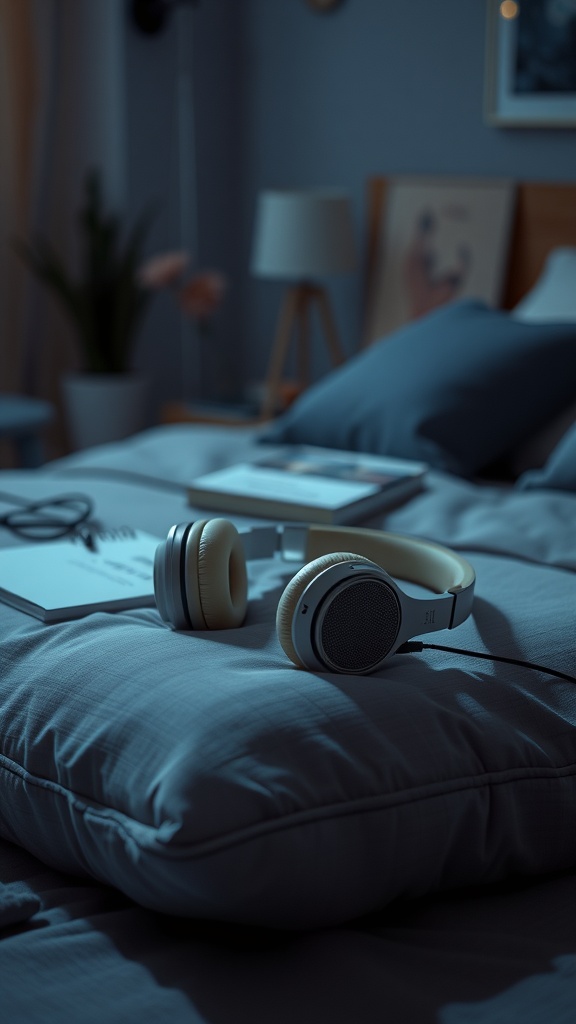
(48, 518)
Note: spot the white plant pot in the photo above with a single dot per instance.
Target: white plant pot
(102, 407)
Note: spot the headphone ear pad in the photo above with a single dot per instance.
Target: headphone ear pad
(216, 580)
(295, 588)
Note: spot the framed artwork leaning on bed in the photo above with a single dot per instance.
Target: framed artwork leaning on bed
(434, 240)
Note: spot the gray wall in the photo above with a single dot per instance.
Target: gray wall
(285, 96)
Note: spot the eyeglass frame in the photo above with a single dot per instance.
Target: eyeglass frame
(52, 528)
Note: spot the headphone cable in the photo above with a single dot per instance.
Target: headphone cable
(416, 646)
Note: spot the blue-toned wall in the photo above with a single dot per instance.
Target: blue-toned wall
(285, 96)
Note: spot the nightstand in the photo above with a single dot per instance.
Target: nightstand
(211, 413)
(238, 414)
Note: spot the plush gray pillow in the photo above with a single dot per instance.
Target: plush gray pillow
(459, 388)
(204, 776)
(559, 471)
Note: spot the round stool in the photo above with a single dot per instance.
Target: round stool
(22, 421)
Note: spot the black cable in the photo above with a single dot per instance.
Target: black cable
(416, 646)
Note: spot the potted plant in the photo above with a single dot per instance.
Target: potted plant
(105, 301)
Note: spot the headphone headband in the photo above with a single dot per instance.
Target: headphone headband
(417, 561)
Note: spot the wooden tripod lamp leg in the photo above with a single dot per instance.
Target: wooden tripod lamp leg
(330, 329)
(293, 320)
(287, 320)
(303, 337)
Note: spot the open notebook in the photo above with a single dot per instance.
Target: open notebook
(66, 579)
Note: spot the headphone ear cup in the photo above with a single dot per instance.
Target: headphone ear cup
(200, 579)
(160, 581)
(295, 588)
(168, 592)
(216, 580)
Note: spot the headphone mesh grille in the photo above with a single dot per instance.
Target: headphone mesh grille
(360, 626)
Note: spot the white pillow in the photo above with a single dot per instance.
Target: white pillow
(553, 297)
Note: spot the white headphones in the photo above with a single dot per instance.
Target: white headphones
(342, 612)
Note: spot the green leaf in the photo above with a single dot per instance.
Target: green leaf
(104, 300)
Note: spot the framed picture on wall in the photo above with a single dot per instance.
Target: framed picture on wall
(531, 63)
(432, 241)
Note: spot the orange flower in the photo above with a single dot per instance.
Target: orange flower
(198, 297)
(163, 271)
(202, 294)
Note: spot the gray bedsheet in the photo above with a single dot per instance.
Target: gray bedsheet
(497, 955)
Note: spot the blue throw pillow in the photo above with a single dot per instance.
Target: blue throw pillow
(559, 472)
(459, 388)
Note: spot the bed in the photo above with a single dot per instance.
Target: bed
(194, 830)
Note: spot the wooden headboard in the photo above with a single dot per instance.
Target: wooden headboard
(544, 218)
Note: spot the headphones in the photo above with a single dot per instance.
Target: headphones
(341, 612)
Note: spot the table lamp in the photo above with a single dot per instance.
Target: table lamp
(301, 236)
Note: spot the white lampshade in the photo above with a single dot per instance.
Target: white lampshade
(303, 235)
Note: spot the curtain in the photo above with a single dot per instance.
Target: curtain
(19, 90)
(62, 112)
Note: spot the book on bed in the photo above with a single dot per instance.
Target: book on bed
(303, 482)
(66, 579)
